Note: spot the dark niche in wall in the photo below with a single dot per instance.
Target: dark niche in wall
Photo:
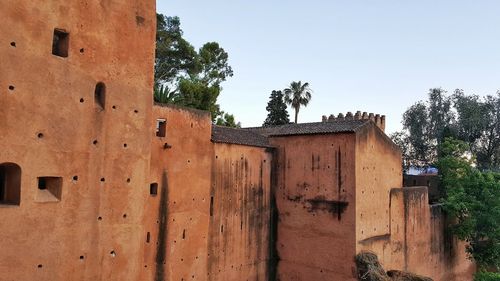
(100, 96)
(10, 184)
(49, 189)
(60, 43)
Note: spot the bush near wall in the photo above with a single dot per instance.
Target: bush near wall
(487, 276)
(369, 269)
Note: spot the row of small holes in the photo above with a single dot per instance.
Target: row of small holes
(100, 218)
(95, 142)
(82, 100)
(12, 88)
(81, 258)
(75, 178)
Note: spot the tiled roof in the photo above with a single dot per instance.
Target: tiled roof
(338, 126)
(238, 136)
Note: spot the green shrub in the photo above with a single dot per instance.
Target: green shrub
(487, 276)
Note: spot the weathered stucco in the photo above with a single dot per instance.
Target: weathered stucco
(179, 215)
(398, 223)
(240, 221)
(51, 127)
(315, 202)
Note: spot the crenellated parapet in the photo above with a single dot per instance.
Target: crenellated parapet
(378, 119)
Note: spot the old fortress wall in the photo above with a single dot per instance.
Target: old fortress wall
(99, 183)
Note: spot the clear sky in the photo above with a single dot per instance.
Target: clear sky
(375, 56)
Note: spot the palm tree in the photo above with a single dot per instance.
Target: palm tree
(163, 94)
(297, 95)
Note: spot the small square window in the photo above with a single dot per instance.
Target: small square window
(60, 43)
(49, 189)
(153, 189)
(10, 184)
(161, 128)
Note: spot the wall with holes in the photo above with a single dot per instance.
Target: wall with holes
(378, 170)
(398, 223)
(240, 214)
(418, 240)
(315, 199)
(75, 95)
(177, 216)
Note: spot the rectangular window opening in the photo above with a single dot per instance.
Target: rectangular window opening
(49, 189)
(161, 128)
(10, 184)
(153, 189)
(60, 43)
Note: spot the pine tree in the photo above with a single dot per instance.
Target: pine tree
(278, 115)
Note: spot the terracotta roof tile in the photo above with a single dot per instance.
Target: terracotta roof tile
(222, 134)
(340, 126)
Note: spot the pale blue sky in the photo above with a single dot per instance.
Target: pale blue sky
(375, 56)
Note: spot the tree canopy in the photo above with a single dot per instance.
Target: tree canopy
(469, 118)
(185, 76)
(459, 134)
(227, 120)
(277, 111)
(473, 198)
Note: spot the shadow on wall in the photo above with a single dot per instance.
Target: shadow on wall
(162, 229)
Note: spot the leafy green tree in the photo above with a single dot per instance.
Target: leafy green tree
(277, 112)
(486, 276)
(471, 197)
(213, 64)
(185, 76)
(401, 140)
(440, 116)
(201, 89)
(297, 95)
(175, 57)
(195, 93)
(469, 118)
(226, 119)
(422, 149)
(488, 156)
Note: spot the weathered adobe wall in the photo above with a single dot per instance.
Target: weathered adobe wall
(315, 201)
(240, 213)
(178, 216)
(51, 127)
(425, 246)
(418, 241)
(398, 223)
(378, 169)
